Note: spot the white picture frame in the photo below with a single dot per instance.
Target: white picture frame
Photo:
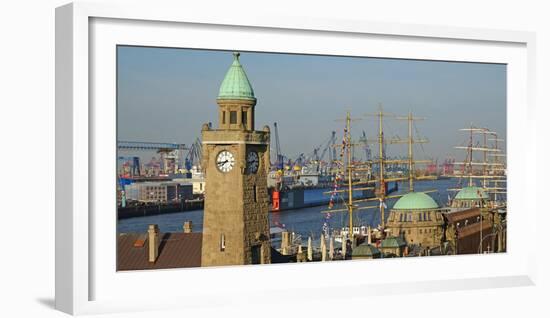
(84, 35)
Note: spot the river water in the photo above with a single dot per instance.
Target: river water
(306, 221)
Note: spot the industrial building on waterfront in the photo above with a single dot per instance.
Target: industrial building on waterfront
(164, 191)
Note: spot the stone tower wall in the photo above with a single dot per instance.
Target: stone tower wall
(236, 202)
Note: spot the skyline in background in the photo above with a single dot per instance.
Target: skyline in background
(166, 94)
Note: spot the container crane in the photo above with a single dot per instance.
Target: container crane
(364, 141)
(194, 156)
(279, 162)
(327, 146)
(134, 164)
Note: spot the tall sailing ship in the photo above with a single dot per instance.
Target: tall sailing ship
(482, 174)
(383, 177)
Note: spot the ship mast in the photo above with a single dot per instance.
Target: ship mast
(349, 170)
(381, 167)
(470, 156)
(484, 181)
(498, 167)
(468, 165)
(410, 144)
(382, 160)
(381, 195)
(347, 147)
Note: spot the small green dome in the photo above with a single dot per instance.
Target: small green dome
(235, 85)
(415, 201)
(365, 250)
(393, 241)
(471, 193)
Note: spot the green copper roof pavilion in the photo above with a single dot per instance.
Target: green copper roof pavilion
(365, 250)
(393, 241)
(471, 193)
(415, 201)
(235, 85)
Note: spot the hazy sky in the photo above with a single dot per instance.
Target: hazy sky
(165, 95)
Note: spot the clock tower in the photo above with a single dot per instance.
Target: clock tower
(236, 163)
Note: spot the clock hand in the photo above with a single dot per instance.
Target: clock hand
(221, 163)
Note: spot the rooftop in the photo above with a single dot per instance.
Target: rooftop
(462, 214)
(365, 249)
(471, 193)
(393, 241)
(236, 85)
(415, 201)
(176, 250)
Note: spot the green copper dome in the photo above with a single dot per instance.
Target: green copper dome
(235, 85)
(471, 193)
(415, 201)
(393, 241)
(365, 250)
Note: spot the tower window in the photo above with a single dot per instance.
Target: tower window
(255, 194)
(232, 117)
(223, 117)
(256, 254)
(222, 243)
(244, 120)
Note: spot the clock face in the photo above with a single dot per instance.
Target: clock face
(252, 162)
(225, 161)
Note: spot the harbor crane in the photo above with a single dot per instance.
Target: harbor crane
(325, 147)
(279, 161)
(171, 153)
(194, 156)
(364, 141)
(131, 162)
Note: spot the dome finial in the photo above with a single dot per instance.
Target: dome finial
(236, 55)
